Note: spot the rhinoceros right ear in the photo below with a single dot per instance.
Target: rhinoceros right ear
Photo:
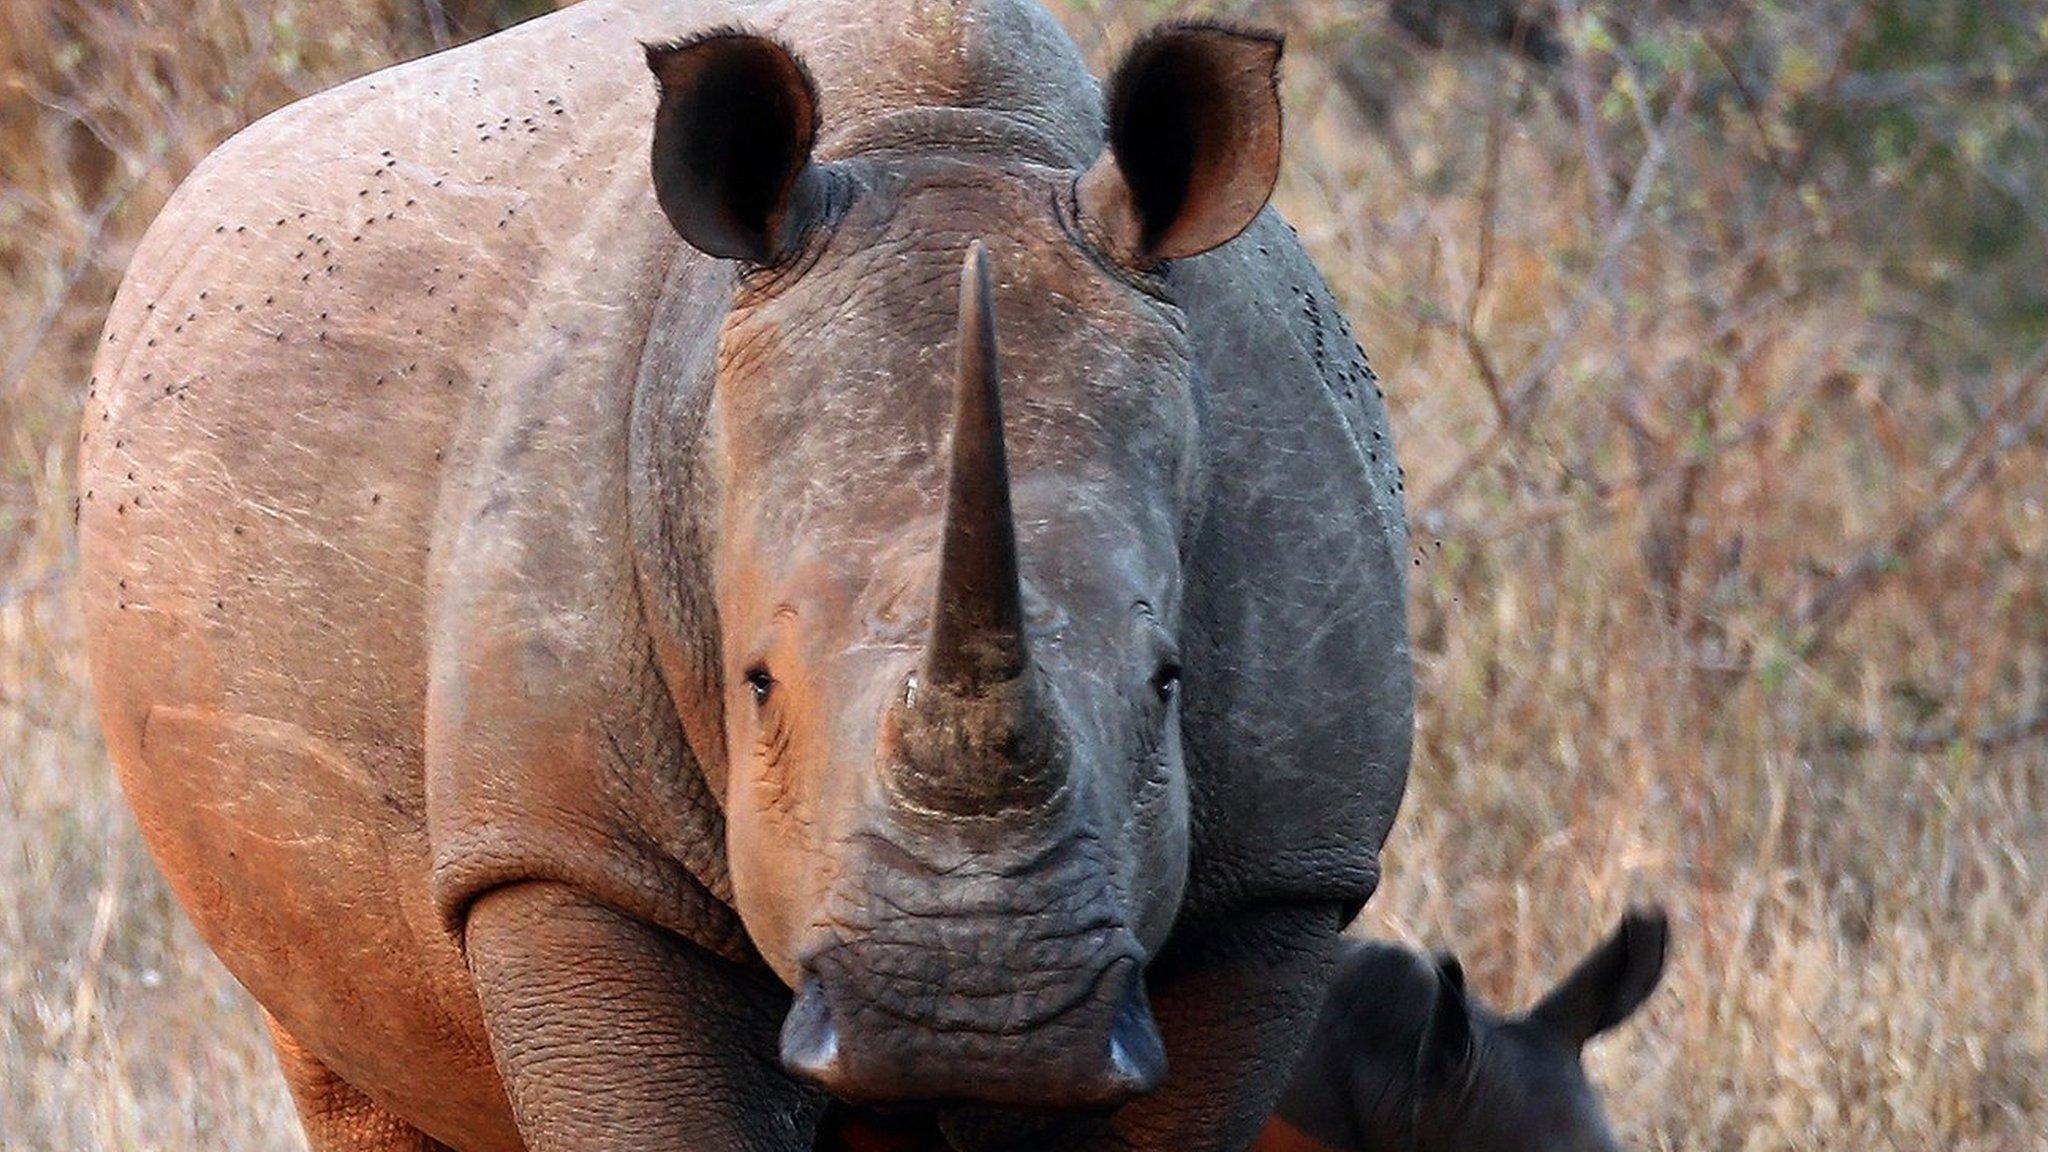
(732, 144)
(1194, 143)
(1446, 1049)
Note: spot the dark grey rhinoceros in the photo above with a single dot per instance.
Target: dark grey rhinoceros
(907, 601)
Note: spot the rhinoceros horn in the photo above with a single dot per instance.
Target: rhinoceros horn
(970, 739)
(978, 617)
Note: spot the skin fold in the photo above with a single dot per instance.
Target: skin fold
(692, 560)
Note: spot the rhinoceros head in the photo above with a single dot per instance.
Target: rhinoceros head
(952, 451)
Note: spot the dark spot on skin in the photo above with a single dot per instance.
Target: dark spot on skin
(376, 497)
(238, 529)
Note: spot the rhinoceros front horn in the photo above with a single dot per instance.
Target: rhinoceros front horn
(978, 616)
(971, 739)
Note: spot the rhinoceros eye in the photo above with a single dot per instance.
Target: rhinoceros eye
(1166, 682)
(760, 683)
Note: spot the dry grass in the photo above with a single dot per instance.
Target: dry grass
(1729, 584)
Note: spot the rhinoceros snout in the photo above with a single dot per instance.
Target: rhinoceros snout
(1096, 1055)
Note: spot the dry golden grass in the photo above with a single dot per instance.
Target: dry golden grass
(1723, 596)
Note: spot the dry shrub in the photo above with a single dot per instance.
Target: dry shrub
(1728, 484)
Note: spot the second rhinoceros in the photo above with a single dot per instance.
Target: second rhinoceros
(902, 604)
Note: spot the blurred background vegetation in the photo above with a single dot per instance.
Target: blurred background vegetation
(1716, 334)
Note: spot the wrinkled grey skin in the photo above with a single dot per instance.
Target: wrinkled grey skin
(1404, 1059)
(505, 611)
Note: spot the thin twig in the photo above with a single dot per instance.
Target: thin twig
(437, 24)
(1927, 740)
(31, 341)
(1579, 78)
(1531, 379)
(2018, 415)
(1489, 213)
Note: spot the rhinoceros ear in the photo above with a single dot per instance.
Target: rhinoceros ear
(732, 144)
(1611, 982)
(1446, 1049)
(1194, 143)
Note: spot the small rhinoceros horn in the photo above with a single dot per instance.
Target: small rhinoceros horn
(978, 618)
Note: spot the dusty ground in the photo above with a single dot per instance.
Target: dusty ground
(1721, 403)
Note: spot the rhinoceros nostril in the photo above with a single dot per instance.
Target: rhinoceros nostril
(1137, 1055)
(810, 1039)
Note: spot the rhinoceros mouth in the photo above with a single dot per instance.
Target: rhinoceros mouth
(979, 980)
(1101, 1049)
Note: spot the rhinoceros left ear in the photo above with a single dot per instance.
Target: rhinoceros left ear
(732, 144)
(1611, 982)
(1194, 143)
